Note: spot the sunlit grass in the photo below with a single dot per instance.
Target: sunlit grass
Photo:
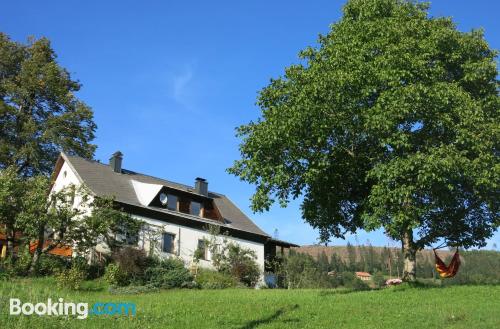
(402, 307)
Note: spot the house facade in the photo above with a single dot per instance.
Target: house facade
(176, 217)
(365, 276)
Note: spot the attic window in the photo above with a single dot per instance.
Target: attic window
(195, 208)
(65, 173)
(171, 202)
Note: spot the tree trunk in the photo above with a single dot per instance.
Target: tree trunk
(410, 257)
(38, 250)
(10, 234)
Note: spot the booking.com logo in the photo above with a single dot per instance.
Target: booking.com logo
(62, 308)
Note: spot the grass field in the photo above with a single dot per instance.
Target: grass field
(400, 307)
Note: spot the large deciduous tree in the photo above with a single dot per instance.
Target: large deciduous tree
(391, 122)
(39, 112)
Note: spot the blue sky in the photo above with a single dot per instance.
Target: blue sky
(170, 80)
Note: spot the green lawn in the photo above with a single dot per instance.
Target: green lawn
(403, 307)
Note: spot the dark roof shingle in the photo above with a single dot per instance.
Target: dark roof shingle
(102, 180)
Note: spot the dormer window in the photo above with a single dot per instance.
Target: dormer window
(195, 208)
(169, 201)
(186, 203)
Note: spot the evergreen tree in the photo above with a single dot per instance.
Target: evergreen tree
(323, 264)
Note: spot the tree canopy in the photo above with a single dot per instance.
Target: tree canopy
(391, 121)
(39, 112)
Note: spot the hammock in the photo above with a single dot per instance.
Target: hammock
(447, 271)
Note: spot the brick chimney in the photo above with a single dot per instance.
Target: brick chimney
(115, 162)
(201, 186)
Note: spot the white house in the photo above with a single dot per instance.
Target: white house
(176, 216)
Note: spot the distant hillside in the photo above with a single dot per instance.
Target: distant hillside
(341, 251)
(477, 266)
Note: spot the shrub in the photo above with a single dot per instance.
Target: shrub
(19, 265)
(50, 265)
(3, 273)
(81, 264)
(71, 278)
(115, 276)
(208, 279)
(246, 271)
(301, 271)
(237, 261)
(131, 261)
(378, 279)
(169, 273)
(96, 271)
(351, 281)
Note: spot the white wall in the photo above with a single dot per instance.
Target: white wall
(188, 239)
(68, 177)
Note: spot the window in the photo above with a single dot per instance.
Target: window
(125, 237)
(171, 202)
(131, 239)
(195, 208)
(168, 243)
(202, 249)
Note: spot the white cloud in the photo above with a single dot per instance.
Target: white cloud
(182, 86)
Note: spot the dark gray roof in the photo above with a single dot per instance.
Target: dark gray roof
(102, 180)
(283, 243)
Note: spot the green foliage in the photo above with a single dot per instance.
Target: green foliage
(96, 270)
(208, 279)
(12, 190)
(337, 264)
(4, 275)
(302, 271)
(19, 265)
(392, 122)
(25, 207)
(349, 280)
(50, 265)
(117, 228)
(231, 258)
(351, 254)
(323, 263)
(132, 263)
(198, 254)
(478, 267)
(115, 276)
(37, 104)
(240, 263)
(169, 273)
(132, 267)
(71, 278)
(378, 279)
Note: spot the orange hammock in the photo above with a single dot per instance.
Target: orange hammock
(447, 271)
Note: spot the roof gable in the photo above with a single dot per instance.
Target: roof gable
(145, 192)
